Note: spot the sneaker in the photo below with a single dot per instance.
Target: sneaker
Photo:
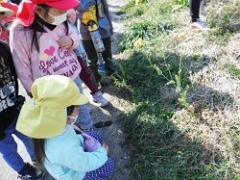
(28, 172)
(99, 99)
(200, 24)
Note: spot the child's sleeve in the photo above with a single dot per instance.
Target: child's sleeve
(78, 160)
(73, 34)
(20, 53)
(106, 10)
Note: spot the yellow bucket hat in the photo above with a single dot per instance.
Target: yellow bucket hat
(45, 115)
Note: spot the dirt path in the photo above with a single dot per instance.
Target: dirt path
(113, 135)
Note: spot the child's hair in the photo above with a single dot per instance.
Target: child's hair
(5, 72)
(70, 110)
(37, 26)
(38, 146)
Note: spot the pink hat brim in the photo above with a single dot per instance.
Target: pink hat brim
(63, 4)
(26, 13)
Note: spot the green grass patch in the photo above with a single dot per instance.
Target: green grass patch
(132, 10)
(224, 18)
(145, 30)
(144, 74)
(232, 70)
(183, 2)
(159, 148)
(235, 134)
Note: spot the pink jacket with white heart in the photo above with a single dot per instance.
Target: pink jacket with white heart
(50, 59)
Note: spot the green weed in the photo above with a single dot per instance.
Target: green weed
(181, 90)
(133, 10)
(183, 2)
(232, 70)
(144, 30)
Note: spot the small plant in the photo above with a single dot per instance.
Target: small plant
(232, 70)
(121, 81)
(183, 2)
(181, 90)
(144, 30)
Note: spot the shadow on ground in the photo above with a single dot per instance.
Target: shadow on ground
(158, 148)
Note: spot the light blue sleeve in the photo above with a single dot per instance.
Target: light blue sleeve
(76, 159)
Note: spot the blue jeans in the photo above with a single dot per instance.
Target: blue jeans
(84, 120)
(8, 148)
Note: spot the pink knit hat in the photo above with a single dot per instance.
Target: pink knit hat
(26, 13)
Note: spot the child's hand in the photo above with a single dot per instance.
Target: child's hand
(106, 147)
(65, 42)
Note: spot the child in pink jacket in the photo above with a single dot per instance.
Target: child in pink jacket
(42, 43)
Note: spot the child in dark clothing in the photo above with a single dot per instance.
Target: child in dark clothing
(10, 104)
(97, 11)
(195, 15)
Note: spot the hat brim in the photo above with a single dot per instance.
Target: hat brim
(41, 122)
(63, 4)
(7, 12)
(80, 99)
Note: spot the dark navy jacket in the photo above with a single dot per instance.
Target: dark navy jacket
(8, 90)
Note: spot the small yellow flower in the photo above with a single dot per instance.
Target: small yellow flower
(181, 36)
(138, 43)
